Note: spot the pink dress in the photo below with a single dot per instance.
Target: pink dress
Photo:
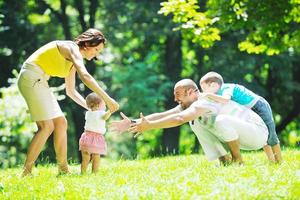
(93, 142)
(92, 139)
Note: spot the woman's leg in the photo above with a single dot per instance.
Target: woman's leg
(95, 162)
(86, 157)
(60, 143)
(45, 128)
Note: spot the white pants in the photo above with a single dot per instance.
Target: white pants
(252, 136)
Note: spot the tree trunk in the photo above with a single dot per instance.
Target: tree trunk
(173, 67)
(295, 112)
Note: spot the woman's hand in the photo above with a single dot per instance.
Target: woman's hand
(112, 105)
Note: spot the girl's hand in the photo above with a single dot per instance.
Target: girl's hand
(106, 115)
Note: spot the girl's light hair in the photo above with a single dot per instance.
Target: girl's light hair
(93, 100)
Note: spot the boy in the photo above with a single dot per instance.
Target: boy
(212, 83)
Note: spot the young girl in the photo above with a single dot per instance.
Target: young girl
(92, 142)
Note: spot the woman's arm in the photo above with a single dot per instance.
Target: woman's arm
(70, 89)
(88, 80)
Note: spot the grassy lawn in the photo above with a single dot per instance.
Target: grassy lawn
(178, 177)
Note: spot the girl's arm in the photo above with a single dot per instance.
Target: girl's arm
(106, 115)
(71, 91)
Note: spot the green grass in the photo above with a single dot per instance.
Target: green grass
(180, 177)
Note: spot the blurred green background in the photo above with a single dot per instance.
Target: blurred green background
(151, 45)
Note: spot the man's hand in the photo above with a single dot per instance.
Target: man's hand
(140, 127)
(121, 125)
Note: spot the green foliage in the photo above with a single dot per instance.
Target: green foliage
(195, 25)
(140, 89)
(180, 177)
(16, 128)
(270, 27)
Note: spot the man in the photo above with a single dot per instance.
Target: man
(213, 123)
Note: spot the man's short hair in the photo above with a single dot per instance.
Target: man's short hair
(212, 77)
(186, 84)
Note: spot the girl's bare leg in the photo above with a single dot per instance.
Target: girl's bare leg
(95, 162)
(45, 128)
(86, 157)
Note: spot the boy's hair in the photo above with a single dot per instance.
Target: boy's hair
(90, 38)
(93, 100)
(211, 77)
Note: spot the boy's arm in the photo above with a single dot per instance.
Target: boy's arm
(221, 99)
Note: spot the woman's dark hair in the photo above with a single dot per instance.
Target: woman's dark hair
(90, 38)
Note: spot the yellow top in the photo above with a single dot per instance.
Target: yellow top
(51, 61)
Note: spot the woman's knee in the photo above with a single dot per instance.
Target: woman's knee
(61, 123)
(46, 126)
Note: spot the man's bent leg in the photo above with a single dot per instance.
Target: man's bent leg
(234, 147)
(211, 145)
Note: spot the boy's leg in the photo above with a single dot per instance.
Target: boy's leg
(60, 143)
(277, 152)
(86, 157)
(269, 153)
(95, 162)
(263, 109)
(45, 128)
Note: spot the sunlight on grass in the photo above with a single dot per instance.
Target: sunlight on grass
(178, 177)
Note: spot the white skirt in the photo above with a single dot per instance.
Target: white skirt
(33, 85)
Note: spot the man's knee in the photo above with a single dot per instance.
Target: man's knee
(225, 129)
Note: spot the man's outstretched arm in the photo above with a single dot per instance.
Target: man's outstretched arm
(169, 121)
(123, 125)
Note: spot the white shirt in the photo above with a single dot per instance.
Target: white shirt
(231, 108)
(94, 121)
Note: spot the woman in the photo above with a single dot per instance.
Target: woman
(61, 59)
